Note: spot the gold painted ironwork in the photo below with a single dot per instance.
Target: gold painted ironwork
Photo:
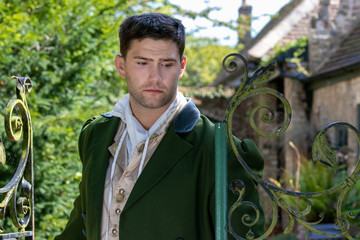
(18, 193)
(322, 151)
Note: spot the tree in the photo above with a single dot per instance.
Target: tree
(67, 50)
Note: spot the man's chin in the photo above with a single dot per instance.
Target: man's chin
(153, 105)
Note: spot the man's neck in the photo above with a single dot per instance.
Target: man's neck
(147, 117)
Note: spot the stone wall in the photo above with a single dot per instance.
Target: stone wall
(338, 102)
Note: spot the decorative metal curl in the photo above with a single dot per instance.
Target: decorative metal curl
(20, 202)
(251, 87)
(21, 206)
(237, 186)
(322, 152)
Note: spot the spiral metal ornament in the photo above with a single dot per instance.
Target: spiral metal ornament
(238, 187)
(322, 152)
(20, 210)
(251, 87)
(18, 192)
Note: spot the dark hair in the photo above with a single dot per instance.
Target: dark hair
(151, 25)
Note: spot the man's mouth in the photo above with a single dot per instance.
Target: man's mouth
(153, 90)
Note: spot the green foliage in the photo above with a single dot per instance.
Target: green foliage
(298, 43)
(351, 205)
(205, 58)
(67, 47)
(314, 177)
(299, 46)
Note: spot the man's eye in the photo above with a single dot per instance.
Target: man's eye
(167, 64)
(141, 63)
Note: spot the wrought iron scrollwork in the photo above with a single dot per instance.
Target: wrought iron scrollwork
(18, 192)
(322, 151)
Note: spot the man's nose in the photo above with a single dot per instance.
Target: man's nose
(155, 74)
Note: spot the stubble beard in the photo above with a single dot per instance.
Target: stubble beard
(152, 102)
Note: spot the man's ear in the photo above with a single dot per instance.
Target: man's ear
(120, 65)
(182, 66)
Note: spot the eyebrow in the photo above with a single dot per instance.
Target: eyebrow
(150, 59)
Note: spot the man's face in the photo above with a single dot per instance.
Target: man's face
(152, 69)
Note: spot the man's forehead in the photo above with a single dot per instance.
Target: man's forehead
(154, 48)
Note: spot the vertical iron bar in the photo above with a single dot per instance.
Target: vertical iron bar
(220, 182)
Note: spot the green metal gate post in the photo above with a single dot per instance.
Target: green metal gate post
(220, 182)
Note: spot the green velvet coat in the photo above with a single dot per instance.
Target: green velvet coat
(173, 198)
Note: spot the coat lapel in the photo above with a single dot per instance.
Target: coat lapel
(171, 149)
(103, 138)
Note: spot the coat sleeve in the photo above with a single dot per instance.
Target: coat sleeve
(75, 228)
(245, 213)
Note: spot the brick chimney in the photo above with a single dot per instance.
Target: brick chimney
(244, 23)
(320, 36)
(326, 31)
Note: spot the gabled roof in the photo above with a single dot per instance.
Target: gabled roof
(346, 55)
(292, 22)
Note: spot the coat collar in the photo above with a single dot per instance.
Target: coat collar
(184, 122)
(187, 118)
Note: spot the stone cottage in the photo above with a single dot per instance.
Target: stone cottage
(318, 71)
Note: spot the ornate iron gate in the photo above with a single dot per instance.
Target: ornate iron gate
(322, 151)
(18, 194)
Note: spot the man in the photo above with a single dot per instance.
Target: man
(148, 165)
